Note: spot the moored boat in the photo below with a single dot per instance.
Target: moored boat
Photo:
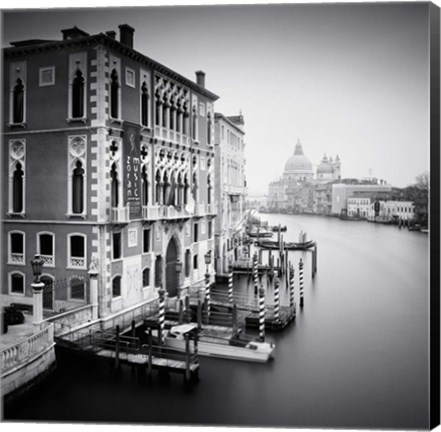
(270, 244)
(213, 345)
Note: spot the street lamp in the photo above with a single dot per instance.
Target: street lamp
(37, 265)
(37, 295)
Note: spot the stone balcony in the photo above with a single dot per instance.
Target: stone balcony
(119, 215)
(170, 135)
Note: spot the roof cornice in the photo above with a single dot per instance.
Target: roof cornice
(101, 38)
(227, 120)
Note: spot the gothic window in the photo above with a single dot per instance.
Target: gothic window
(195, 187)
(77, 250)
(78, 95)
(157, 109)
(171, 115)
(146, 278)
(208, 189)
(17, 189)
(16, 248)
(187, 262)
(16, 283)
(194, 124)
(18, 102)
(164, 112)
(165, 190)
(114, 186)
(185, 120)
(158, 187)
(144, 105)
(78, 189)
(209, 124)
(114, 94)
(146, 240)
(195, 262)
(186, 190)
(145, 186)
(116, 286)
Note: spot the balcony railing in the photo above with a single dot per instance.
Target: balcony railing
(120, 214)
(17, 258)
(47, 259)
(150, 212)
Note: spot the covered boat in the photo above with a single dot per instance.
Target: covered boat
(223, 346)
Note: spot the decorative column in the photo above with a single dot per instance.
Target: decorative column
(37, 304)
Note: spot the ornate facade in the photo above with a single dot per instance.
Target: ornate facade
(108, 156)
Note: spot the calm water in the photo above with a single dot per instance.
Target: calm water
(356, 356)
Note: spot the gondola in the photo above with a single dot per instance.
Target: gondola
(268, 244)
(276, 228)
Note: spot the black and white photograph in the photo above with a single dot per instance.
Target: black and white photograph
(221, 215)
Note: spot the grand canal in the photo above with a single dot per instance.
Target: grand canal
(356, 356)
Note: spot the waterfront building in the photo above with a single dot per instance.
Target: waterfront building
(359, 207)
(341, 192)
(230, 189)
(391, 211)
(108, 159)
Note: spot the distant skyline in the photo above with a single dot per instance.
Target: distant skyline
(346, 79)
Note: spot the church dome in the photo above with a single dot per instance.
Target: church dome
(298, 163)
(325, 167)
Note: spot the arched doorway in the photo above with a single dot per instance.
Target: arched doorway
(171, 279)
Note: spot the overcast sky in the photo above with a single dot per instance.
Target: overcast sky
(346, 79)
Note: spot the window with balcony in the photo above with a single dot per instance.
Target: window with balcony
(46, 248)
(77, 251)
(17, 283)
(116, 245)
(146, 278)
(146, 238)
(116, 286)
(16, 248)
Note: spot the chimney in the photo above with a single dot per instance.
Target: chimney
(111, 34)
(200, 78)
(126, 35)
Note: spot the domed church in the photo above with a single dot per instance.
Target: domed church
(329, 169)
(298, 167)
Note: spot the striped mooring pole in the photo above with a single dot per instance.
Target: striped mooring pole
(261, 314)
(276, 298)
(255, 274)
(301, 281)
(291, 286)
(161, 316)
(207, 295)
(230, 284)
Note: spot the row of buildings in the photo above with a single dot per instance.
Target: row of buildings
(325, 192)
(114, 159)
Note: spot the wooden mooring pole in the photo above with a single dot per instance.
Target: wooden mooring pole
(261, 313)
(276, 298)
(291, 286)
(161, 316)
(301, 281)
(230, 284)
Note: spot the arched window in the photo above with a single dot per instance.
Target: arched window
(171, 124)
(114, 94)
(158, 187)
(157, 109)
(195, 187)
(16, 247)
(209, 124)
(45, 247)
(145, 186)
(194, 124)
(146, 278)
(144, 105)
(185, 190)
(116, 286)
(114, 186)
(16, 283)
(164, 112)
(78, 188)
(77, 250)
(78, 95)
(165, 190)
(17, 189)
(184, 120)
(18, 102)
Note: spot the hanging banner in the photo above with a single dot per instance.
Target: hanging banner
(132, 166)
